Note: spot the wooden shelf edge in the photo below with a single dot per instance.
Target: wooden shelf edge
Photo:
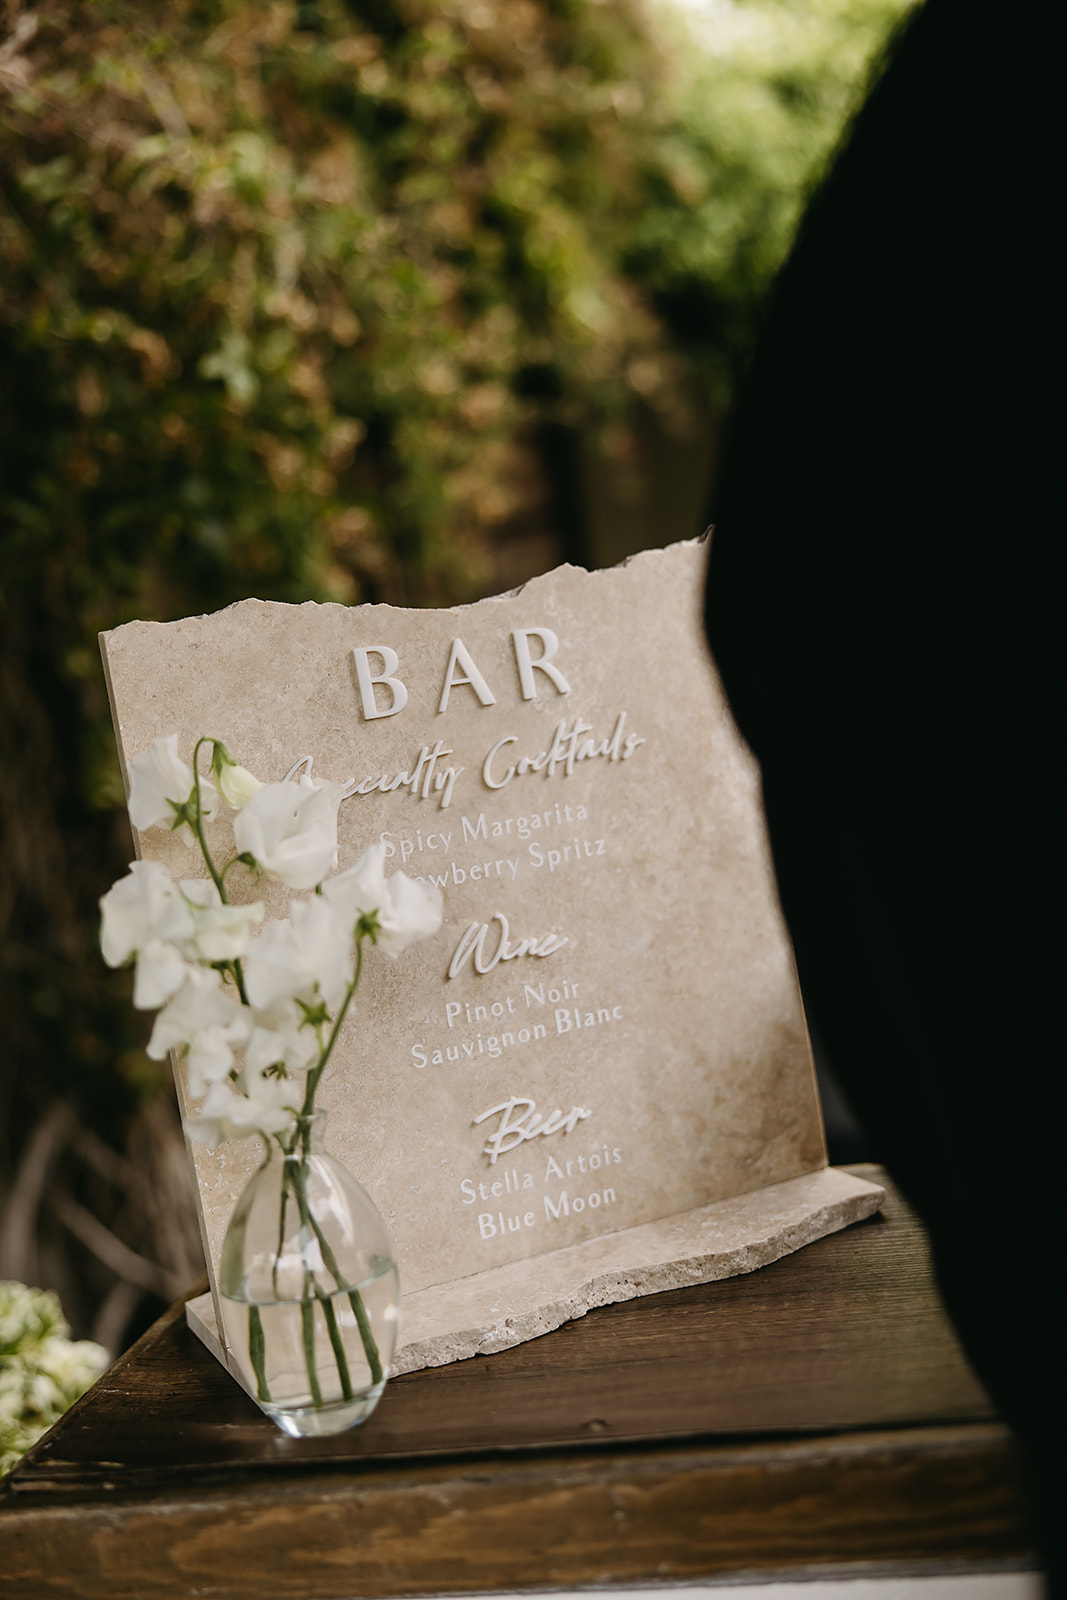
(944, 1496)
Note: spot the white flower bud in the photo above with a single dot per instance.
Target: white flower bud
(237, 785)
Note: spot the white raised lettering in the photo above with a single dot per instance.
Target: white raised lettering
(472, 945)
(520, 638)
(366, 680)
(461, 657)
(520, 1120)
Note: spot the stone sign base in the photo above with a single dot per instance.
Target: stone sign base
(508, 1305)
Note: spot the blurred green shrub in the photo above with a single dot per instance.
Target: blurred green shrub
(291, 295)
(282, 284)
(761, 93)
(41, 1371)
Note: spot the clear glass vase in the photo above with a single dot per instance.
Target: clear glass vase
(309, 1289)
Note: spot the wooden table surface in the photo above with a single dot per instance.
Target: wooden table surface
(815, 1416)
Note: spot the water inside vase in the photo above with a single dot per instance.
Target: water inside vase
(317, 1366)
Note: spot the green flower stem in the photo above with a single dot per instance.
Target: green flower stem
(355, 1299)
(281, 1231)
(257, 1351)
(198, 823)
(239, 978)
(310, 1225)
(316, 1071)
(338, 1347)
(366, 1333)
(218, 878)
(307, 1310)
(307, 1322)
(297, 1178)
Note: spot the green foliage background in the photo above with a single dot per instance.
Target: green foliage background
(291, 296)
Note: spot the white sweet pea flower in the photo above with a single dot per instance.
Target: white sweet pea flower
(145, 915)
(281, 1036)
(168, 926)
(219, 932)
(307, 958)
(416, 912)
(407, 910)
(145, 906)
(160, 781)
(266, 1087)
(290, 830)
(206, 1020)
(161, 971)
(209, 1058)
(225, 1115)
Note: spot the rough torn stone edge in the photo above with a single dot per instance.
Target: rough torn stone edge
(722, 1240)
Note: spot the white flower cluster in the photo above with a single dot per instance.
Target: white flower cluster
(41, 1371)
(279, 995)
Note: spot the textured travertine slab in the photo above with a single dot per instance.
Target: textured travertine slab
(607, 1031)
(511, 1304)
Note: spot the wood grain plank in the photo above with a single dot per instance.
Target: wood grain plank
(939, 1495)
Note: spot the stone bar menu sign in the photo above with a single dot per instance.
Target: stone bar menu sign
(595, 1081)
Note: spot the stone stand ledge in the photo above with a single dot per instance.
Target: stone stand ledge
(506, 1306)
